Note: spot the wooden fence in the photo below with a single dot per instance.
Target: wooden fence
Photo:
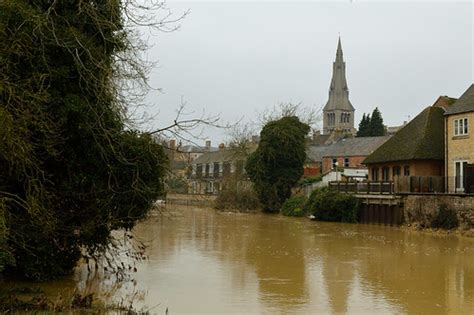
(401, 184)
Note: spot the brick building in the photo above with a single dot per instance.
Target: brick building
(415, 150)
(346, 153)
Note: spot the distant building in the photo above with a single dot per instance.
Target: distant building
(346, 154)
(181, 156)
(338, 113)
(459, 153)
(211, 170)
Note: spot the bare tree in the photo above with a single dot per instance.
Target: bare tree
(309, 115)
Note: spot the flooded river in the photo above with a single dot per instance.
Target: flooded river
(202, 261)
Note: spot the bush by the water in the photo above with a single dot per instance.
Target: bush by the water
(331, 205)
(445, 219)
(310, 180)
(293, 206)
(237, 195)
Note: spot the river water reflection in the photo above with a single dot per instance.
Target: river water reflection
(202, 261)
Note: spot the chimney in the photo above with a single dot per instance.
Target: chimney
(316, 134)
(173, 144)
(221, 147)
(208, 145)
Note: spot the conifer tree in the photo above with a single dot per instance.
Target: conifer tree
(364, 126)
(376, 127)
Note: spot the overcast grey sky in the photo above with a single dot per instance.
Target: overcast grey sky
(238, 58)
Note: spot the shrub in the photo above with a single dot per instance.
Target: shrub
(310, 180)
(237, 195)
(445, 219)
(331, 205)
(293, 206)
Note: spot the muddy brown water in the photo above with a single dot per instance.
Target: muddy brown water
(202, 261)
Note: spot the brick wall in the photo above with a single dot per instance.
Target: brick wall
(354, 161)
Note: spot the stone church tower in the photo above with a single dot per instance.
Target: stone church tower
(338, 114)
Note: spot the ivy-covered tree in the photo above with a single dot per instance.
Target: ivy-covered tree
(277, 164)
(71, 169)
(364, 126)
(376, 126)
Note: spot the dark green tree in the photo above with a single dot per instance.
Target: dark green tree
(376, 127)
(277, 164)
(364, 126)
(71, 170)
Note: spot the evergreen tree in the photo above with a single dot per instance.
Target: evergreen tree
(364, 126)
(376, 127)
(277, 164)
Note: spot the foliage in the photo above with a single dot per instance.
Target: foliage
(277, 164)
(376, 127)
(71, 170)
(363, 130)
(237, 195)
(330, 205)
(371, 125)
(310, 180)
(5, 256)
(446, 218)
(293, 206)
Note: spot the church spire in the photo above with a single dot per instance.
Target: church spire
(338, 91)
(339, 57)
(338, 112)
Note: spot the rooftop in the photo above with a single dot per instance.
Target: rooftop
(420, 139)
(360, 146)
(464, 104)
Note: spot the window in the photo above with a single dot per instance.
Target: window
(461, 127)
(346, 162)
(199, 170)
(334, 163)
(385, 173)
(375, 174)
(459, 169)
(208, 167)
(406, 170)
(216, 169)
(396, 171)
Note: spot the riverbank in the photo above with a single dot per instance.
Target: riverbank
(191, 200)
(417, 213)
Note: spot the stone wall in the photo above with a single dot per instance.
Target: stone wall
(422, 209)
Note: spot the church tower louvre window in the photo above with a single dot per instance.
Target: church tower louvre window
(338, 113)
